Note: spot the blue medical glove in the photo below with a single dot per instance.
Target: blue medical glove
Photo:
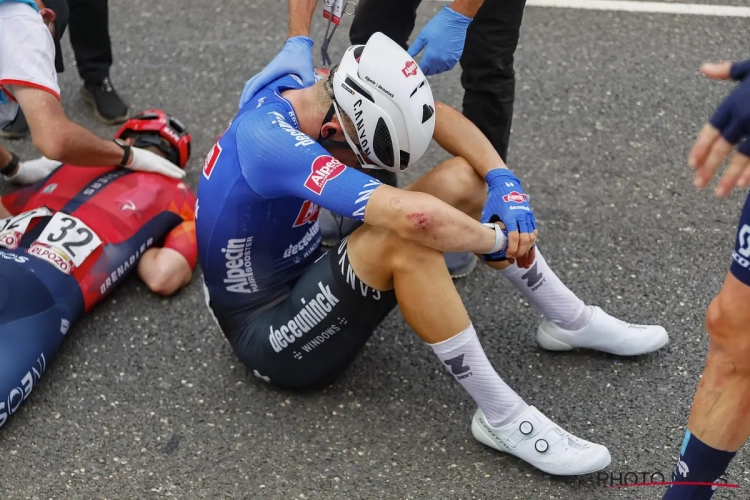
(507, 203)
(295, 58)
(444, 37)
(732, 117)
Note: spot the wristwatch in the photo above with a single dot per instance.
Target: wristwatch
(126, 149)
(11, 166)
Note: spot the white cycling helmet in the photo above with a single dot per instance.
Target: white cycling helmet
(381, 88)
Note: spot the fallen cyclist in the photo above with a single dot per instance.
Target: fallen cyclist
(69, 239)
(297, 317)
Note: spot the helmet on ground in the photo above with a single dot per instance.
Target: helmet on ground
(154, 127)
(381, 88)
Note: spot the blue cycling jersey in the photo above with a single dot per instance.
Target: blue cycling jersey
(258, 202)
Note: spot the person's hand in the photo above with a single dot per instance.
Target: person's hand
(295, 58)
(32, 171)
(507, 203)
(525, 260)
(444, 37)
(146, 161)
(729, 124)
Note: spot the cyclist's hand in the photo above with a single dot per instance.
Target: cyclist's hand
(295, 58)
(729, 125)
(507, 203)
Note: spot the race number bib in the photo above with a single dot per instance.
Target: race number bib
(12, 229)
(65, 243)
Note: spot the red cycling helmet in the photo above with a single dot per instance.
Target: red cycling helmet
(154, 127)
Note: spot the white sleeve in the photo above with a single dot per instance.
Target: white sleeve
(27, 51)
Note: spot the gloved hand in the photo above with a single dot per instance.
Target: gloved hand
(729, 125)
(507, 203)
(444, 37)
(146, 161)
(33, 171)
(295, 58)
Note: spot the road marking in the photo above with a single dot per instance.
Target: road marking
(655, 7)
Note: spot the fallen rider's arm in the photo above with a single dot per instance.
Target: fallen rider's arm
(168, 269)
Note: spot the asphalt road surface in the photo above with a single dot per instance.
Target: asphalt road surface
(146, 400)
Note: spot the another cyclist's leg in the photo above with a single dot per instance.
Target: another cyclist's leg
(432, 307)
(719, 423)
(568, 321)
(27, 346)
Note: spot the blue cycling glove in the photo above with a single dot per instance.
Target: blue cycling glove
(732, 117)
(444, 37)
(295, 58)
(507, 203)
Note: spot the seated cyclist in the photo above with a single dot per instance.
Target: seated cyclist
(69, 239)
(297, 318)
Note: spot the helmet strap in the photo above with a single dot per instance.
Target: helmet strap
(354, 147)
(326, 119)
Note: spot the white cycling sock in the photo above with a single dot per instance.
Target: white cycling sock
(465, 359)
(541, 286)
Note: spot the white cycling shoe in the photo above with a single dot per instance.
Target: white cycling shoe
(603, 333)
(534, 438)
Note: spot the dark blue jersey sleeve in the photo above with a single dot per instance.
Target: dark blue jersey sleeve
(277, 160)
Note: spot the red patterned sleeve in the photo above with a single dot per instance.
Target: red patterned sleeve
(182, 239)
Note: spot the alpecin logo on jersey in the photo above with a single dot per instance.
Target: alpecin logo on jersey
(308, 213)
(239, 266)
(323, 169)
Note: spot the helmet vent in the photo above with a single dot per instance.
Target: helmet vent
(358, 52)
(382, 145)
(427, 112)
(404, 160)
(416, 88)
(177, 125)
(359, 89)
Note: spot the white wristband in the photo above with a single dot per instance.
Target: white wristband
(499, 237)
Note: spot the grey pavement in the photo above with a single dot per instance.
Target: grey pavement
(146, 400)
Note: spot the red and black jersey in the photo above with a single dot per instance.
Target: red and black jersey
(94, 223)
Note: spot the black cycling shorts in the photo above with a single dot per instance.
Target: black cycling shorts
(315, 333)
